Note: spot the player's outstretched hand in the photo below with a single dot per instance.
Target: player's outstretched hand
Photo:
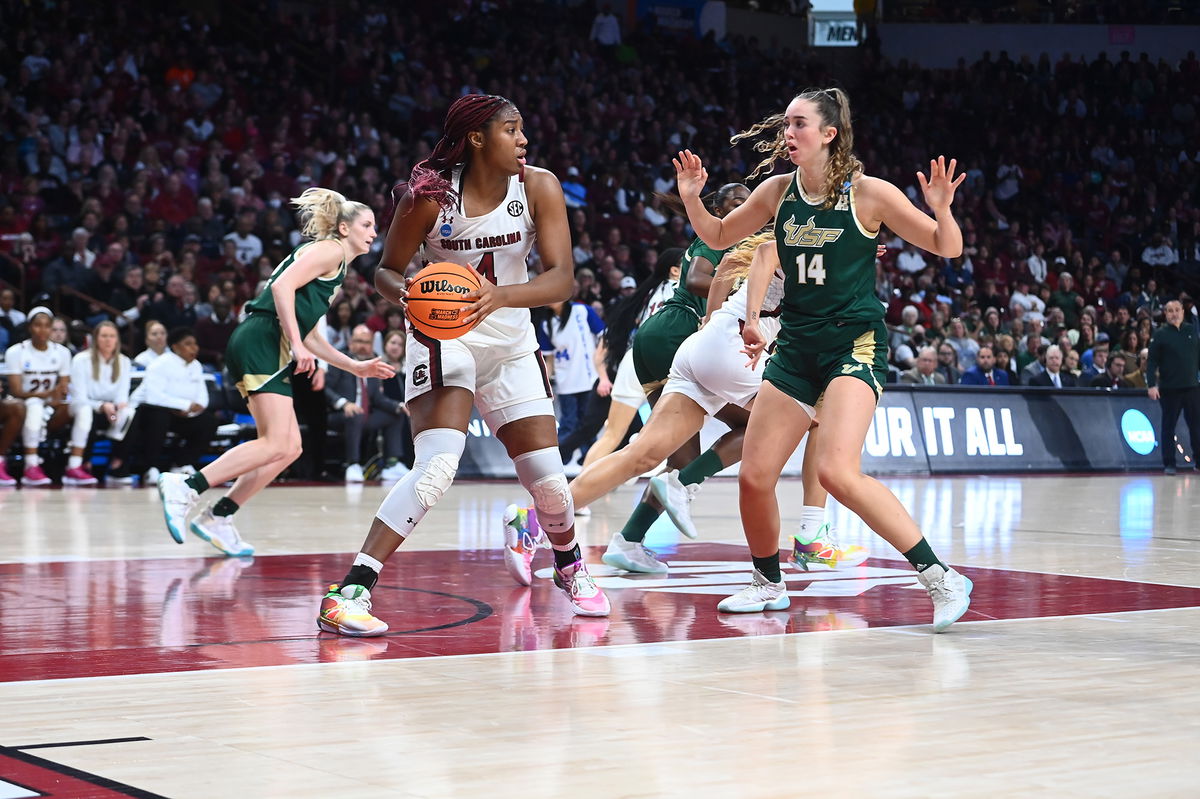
(374, 368)
(939, 188)
(690, 174)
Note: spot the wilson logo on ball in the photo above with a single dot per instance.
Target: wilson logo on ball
(431, 286)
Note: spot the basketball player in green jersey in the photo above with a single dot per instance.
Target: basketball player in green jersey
(832, 345)
(278, 338)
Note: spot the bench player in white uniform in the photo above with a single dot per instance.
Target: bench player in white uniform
(39, 371)
(474, 202)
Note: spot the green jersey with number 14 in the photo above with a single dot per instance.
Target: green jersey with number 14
(828, 260)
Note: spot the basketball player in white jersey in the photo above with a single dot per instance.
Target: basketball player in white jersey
(475, 202)
(39, 371)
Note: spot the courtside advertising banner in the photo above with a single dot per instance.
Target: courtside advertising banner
(966, 431)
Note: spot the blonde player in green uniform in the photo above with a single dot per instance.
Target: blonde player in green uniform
(280, 337)
(832, 345)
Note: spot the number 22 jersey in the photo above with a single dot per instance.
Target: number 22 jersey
(496, 245)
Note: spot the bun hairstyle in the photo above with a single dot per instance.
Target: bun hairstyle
(834, 107)
(322, 210)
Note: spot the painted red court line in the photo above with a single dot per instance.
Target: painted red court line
(147, 616)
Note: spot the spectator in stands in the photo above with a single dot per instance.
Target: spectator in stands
(1030, 304)
(905, 355)
(1054, 376)
(339, 324)
(156, 345)
(39, 373)
(1035, 365)
(984, 372)
(359, 407)
(1004, 363)
(925, 373)
(100, 378)
(966, 346)
(172, 309)
(249, 246)
(213, 332)
(1171, 378)
(11, 317)
(910, 261)
(175, 400)
(948, 363)
(1114, 374)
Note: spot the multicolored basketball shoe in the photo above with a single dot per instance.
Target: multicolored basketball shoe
(586, 597)
(347, 611)
(824, 553)
(522, 539)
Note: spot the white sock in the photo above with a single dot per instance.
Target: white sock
(32, 460)
(74, 461)
(811, 519)
(563, 547)
(363, 559)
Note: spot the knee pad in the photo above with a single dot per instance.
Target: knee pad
(434, 477)
(437, 455)
(541, 472)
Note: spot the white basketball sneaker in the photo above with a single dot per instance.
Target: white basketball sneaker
(632, 557)
(220, 532)
(178, 499)
(760, 595)
(950, 592)
(676, 499)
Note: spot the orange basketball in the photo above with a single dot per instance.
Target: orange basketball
(437, 299)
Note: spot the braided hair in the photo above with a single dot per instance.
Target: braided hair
(834, 107)
(430, 178)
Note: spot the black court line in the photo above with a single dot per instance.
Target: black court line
(94, 779)
(96, 742)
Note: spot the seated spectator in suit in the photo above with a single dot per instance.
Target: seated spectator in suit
(1054, 376)
(1114, 374)
(984, 372)
(174, 399)
(360, 407)
(1098, 365)
(925, 373)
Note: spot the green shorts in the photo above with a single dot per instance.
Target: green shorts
(259, 358)
(803, 365)
(656, 342)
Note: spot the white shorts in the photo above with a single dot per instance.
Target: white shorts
(626, 388)
(711, 369)
(499, 378)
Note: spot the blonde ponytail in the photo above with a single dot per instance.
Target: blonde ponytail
(840, 169)
(323, 210)
(736, 263)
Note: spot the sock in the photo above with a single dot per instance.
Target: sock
(224, 507)
(638, 523)
(565, 556)
(364, 572)
(699, 470)
(811, 519)
(921, 556)
(31, 460)
(199, 483)
(769, 566)
(74, 461)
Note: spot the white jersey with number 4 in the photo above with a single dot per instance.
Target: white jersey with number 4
(496, 245)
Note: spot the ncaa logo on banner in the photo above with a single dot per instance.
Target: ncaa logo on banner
(1138, 432)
